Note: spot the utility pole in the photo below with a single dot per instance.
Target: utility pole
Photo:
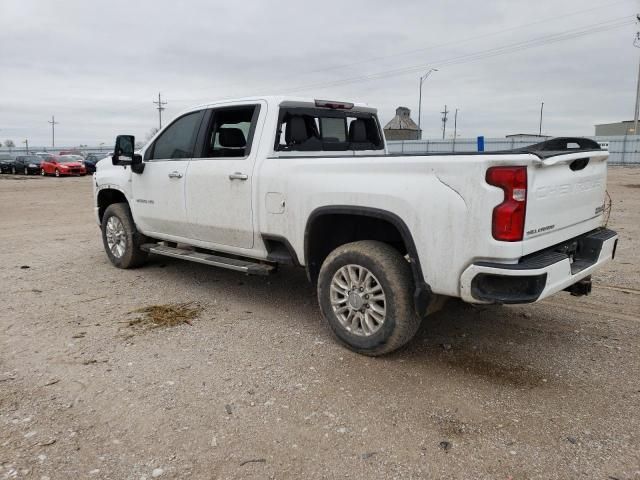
(636, 43)
(444, 121)
(53, 130)
(160, 108)
(26, 142)
(455, 125)
(540, 129)
(422, 79)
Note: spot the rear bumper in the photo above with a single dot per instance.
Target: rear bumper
(541, 274)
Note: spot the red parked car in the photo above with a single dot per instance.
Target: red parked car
(62, 165)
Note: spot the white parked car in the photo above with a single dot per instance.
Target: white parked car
(253, 183)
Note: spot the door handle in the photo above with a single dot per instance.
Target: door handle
(238, 176)
(175, 174)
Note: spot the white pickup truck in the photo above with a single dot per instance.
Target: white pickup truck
(253, 183)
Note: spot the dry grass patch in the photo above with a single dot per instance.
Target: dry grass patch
(170, 315)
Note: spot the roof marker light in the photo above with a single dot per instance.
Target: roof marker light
(334, 105)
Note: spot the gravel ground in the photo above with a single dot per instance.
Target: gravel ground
(255, 387)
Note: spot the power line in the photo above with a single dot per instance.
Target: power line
(424, 49)
(480, 55)
(160, 109)
(466, 40)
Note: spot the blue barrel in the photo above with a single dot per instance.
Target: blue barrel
(481, 143)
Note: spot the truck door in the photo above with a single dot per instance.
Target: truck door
(159, 191)
(219, 182)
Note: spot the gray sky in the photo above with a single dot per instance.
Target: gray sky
(98, 65)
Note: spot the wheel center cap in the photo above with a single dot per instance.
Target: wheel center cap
(355, 301)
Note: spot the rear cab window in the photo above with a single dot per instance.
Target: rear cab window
(309, 129)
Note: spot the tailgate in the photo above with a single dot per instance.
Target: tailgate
(566, 194)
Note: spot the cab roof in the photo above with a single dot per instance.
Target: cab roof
(288, 101)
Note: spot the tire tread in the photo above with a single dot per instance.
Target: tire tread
(398, 273)
(133, 257)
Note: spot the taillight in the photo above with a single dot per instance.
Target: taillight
(508, 217)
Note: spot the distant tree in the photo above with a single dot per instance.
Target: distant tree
(9, 144)
(150, 134)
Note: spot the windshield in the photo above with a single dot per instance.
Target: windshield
(32, 158)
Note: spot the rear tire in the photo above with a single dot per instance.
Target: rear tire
(14, 171)
(121, 238)
(379, 316)
(57, 173)
(26, 171)
(42, 172)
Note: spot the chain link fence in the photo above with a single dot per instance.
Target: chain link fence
(623, 150)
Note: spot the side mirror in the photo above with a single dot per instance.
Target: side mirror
(123, 151)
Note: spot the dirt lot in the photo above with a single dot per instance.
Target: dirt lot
(255, 387)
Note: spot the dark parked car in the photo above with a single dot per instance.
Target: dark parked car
(27, 164)
(91, 160)
(45, 155)
(6, 162)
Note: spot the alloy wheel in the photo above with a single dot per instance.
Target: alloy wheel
(358, 300)
(116, 237)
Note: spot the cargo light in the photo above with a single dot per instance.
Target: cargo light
(334, 105)
(507, 224)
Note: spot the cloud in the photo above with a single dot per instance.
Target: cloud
(99, 65)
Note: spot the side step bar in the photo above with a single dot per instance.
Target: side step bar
(248, 267)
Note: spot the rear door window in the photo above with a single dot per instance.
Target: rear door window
(230, 132)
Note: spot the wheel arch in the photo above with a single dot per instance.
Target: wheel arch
(108, 196)
(374, 224)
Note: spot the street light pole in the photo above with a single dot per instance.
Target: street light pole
(540, 129)
(635, 116)
(636, 43)
(422, 79)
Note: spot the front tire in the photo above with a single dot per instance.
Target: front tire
(42, 172)
(57, 173)
(121, 238)
(365, 293)
(26, 171)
